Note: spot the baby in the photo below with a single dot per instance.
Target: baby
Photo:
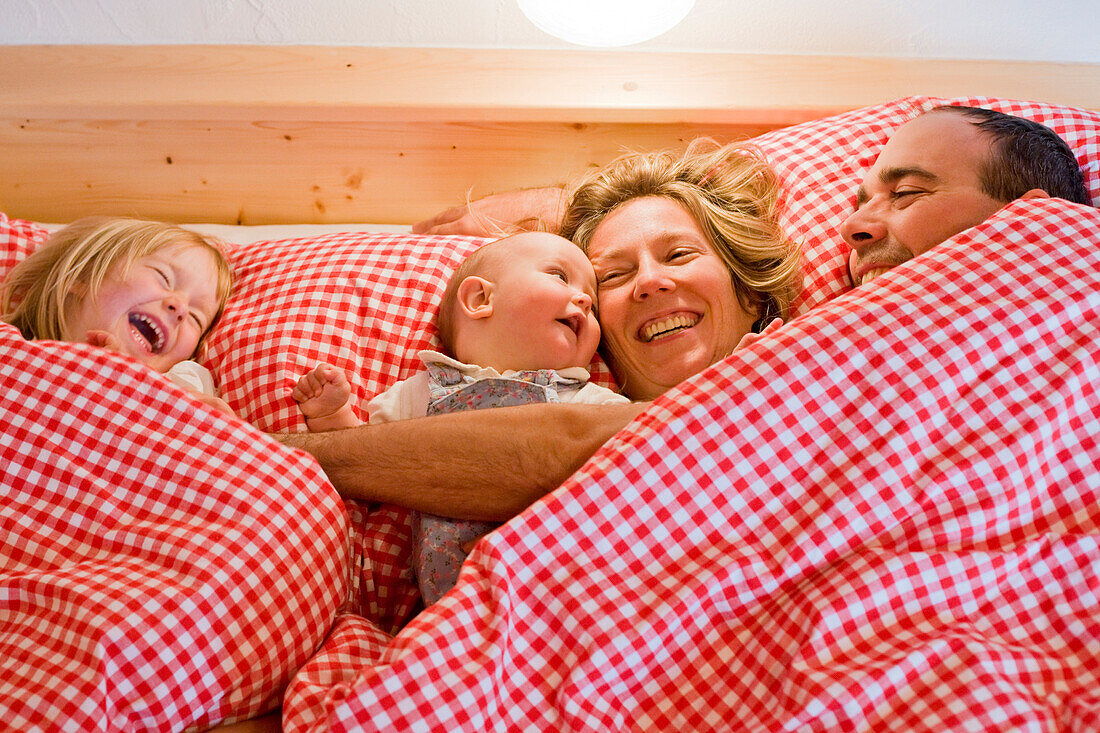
(517, 317)
(150, 290)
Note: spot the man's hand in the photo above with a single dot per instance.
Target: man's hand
(529, 209)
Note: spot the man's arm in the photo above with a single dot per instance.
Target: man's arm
(539, 209)
(483, 464)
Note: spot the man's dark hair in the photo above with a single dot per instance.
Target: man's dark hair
(1025, 155)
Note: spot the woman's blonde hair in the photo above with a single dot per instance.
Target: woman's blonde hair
(731, 192)
(77, 258)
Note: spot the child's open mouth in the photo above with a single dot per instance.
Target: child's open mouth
(148, 330)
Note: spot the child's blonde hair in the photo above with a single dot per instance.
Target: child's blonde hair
(77, 258)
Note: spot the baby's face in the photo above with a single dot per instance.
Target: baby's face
(156, 312)
(544, 298)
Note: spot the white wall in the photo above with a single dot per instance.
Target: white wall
(1050, 30)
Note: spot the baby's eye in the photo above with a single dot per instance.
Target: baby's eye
(199, 321)
(560, 274)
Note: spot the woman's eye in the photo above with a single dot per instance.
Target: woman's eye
(162, 274)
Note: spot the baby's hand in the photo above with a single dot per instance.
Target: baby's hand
(104, 340)
(324, 395)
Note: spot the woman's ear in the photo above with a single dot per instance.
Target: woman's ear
(475, 297)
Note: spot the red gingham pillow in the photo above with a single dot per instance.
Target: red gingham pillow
(18, 239)
(363, 302)
(821, 163)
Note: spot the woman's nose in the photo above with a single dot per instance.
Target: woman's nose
(652, 278)
(862, 227)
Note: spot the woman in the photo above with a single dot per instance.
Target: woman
(688, 255)
(689, 258)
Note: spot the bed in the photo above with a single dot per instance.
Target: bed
(886, 516)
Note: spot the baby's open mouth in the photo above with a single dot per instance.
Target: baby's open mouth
(668, 326)
(148, 330)
(573, 322)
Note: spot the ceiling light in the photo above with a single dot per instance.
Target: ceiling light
(605, 22)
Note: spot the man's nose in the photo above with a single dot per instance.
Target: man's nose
(862, 227)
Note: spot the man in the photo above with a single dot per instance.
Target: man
(946, 171)
(941, 173)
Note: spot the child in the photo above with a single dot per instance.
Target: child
(518, 317)
(146, 289)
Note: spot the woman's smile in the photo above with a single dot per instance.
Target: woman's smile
(665, 326)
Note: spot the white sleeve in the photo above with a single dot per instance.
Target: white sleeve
(402, 401)
(194, 376)
(594, 394)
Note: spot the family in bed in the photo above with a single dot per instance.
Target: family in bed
(687, 258)
(686, 262)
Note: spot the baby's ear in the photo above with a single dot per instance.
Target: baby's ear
(475, 297)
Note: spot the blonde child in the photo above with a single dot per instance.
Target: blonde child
(518, 319)
(146, 289)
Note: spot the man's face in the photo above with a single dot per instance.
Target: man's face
(923, 189)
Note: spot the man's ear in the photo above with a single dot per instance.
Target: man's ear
(475, 297)
(1035, 193)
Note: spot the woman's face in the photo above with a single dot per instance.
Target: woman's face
(666, 300)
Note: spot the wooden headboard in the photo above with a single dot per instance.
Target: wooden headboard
(292, 134)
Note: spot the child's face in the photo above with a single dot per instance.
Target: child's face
(543, 309)
(157, 312)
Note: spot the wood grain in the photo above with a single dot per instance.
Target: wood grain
(258, 134)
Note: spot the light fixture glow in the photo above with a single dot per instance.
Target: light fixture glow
(605, 22)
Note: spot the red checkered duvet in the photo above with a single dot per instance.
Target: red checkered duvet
(885, 517)
(162, 566)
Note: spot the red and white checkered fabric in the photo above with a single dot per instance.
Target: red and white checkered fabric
(886, 517)
(365, 303)
(883, 518)
(162, 566)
